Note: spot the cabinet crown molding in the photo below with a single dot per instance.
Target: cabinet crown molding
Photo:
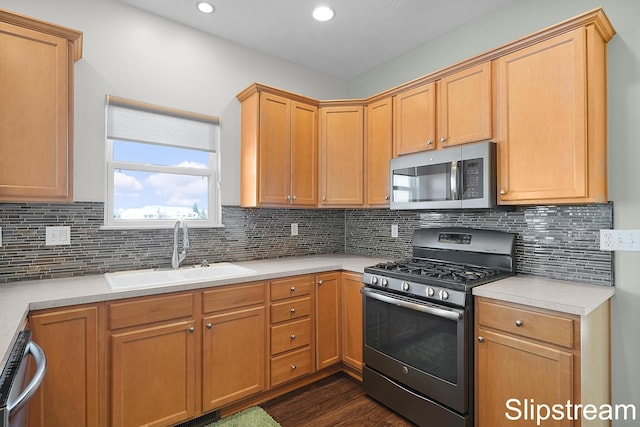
(73, 36)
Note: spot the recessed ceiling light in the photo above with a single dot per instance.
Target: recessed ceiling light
(205, 7)
(323, 13)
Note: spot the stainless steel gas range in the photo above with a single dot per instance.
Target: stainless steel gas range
(418, 323)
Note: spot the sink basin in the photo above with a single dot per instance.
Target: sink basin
(136, 279)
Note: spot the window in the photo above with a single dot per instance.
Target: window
(162, 164)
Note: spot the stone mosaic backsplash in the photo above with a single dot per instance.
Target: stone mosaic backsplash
(559, 242)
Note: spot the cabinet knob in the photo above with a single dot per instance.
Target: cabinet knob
(386, 197)
(209, 326)
(294, 198)
(293, 337)
(319, 282)
(443, 139)
(324, 198)
(480, 339)
(191, 329)
(293, 311)
(293, 367)
(519, 323)
(502, 192)
(429, 142)
(292, 289)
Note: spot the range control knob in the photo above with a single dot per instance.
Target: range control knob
(430, 291)
(405, 286)
(374, 280)
(444, 295)
(385, 282)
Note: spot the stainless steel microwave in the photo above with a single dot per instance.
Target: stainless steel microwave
(458, 177)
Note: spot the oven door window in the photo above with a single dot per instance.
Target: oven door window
(424, 341)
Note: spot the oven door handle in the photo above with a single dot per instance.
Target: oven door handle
(440, 312)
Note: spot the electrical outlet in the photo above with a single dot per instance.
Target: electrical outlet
(294, 229)
(620, 240)
(58, 235)
(394, 230)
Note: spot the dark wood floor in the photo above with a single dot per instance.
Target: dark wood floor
(335, 401)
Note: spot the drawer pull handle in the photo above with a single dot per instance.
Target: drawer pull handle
(293, 311)
(292, 289)
(519, 323)
(293, 367)
(480, 339)
(209, 325)
(293, 337)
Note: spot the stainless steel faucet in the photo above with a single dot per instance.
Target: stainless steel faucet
(177, 259)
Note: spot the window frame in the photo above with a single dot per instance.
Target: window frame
(212, 173)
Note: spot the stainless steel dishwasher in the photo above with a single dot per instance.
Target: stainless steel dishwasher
(15, 392)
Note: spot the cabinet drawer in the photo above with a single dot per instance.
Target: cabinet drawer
(292, 287)
(290, 366)
(228, 297)
(149, 310)
(554, 329)
(291, 335)
(290, 309)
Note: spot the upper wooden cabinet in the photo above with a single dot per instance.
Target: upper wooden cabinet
(36, 109)
(464, 106)
(453, 110)
(278, 150)
(551, 120)
(414, 120)
(341, 173)
(379, 141)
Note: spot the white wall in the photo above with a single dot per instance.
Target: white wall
(520, 18)
(131, 53)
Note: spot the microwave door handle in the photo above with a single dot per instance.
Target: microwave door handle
(454, 180)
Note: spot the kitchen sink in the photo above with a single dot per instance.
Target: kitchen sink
(136, 279)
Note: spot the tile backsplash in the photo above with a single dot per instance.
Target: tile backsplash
(552, 241)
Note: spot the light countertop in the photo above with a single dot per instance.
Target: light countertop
(17, 299)
(566, 297)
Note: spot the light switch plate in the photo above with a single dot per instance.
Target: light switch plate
(620, 240)
(394, 230)
(294, 229)
(60, 235)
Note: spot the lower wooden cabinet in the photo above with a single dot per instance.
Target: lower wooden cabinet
(70, 393)
(327, 319)
(291, 330)
(152, 360)
(528, 356)
(153, 375)
(233, 360)
(351, 308)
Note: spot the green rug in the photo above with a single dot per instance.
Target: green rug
(251, 417)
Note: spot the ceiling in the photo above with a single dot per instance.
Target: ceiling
(363, 34)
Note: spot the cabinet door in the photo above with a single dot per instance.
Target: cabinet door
(69, 394)
(464, 106)
(379, 148)
(233, 356)
(274, 150)
(36, 151)
(414, 120)
(542, 121)
(342, 156)
(304, 154)
(153, 375)
(352, 320)
(327, 319)
(511, 372)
